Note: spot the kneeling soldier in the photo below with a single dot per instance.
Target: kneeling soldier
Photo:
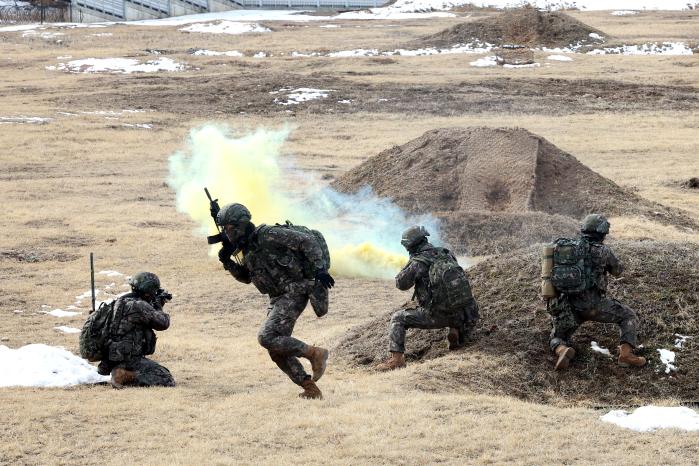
(443, 296)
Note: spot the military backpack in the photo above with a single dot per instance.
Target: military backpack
(318, 236)
(572, 270)
(450, 291)
(95, 334)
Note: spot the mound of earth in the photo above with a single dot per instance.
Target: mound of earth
(497, 188)
(509, 354)
(526, 26)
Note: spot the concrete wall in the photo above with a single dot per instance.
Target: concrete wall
(180, 8)
(135, 11)
(82, 14)
(222, 5)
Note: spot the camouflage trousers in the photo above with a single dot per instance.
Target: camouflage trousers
(148, 373)
(413, 316)
(568, 317)
(275, 334)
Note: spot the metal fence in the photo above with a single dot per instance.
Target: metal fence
(54, 13)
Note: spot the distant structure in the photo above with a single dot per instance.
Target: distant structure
(85, 11)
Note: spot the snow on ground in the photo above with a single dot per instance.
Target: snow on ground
(624, 13)
(594, 346)
(213, 53)
(114, 273)
(43, 35)
(117, 65)
(680, 340)
(485, 62)
(651, 418)
(64, 329)
(559, 58)
(526, 65)
(139, 126)
(296, 96)
(424, 5)
(666, 48)
(23, 119)
(667, 357)
(39, 365)
(225, 27)
(61, 313)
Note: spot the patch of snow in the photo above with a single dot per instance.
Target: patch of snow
(666, 48)
(213, 53)
(680, 340)
(64, 329)
(117, 65)
(528, 65)
(140, 126)
(303, 94)
(225, 27)
(299, 54)
(344, 101)
(260, 55)
(329, 26)
(17, 311)
(485, 62)
(594, 35)
(111, 273)
(624, 12)
(102, 34)
(24, 119)
(354, 53)
(61, 313)
(594, 346)
(559, 58)
(667, 357)
(651, 418)
(67, 57)
(43, 35)
(39, 365)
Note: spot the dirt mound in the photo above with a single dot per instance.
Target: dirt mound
(526, 26)
(510, 356)
(494, 184)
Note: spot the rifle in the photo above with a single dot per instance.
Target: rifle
(219, 237)
(162, 296)
(92, 280)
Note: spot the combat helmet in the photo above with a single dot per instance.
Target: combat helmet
(232, 214)
(145, 282)
(414, 236)
(595, 224)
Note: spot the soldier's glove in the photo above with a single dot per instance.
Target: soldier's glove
(324, 278)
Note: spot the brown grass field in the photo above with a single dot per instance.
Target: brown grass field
(84, 183)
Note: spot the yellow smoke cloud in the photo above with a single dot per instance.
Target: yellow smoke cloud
(362, 231)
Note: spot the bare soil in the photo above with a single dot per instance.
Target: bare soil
(249, 93)
(465, 175)
(661, 283)
(524, 26)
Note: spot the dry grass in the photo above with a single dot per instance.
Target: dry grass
(82, 183)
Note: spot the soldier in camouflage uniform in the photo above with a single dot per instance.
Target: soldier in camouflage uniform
(420, 315)
(288, 266)
(132, 337)
(570, 311)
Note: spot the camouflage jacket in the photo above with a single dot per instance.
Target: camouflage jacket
(131, 333)
(278, 260)
(603, 262)
(415, 273)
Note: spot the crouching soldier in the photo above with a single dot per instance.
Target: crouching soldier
(131, 335)
(290, 264)
(443, 296)
(576, 284)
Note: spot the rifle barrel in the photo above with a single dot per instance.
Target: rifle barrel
(92, 279)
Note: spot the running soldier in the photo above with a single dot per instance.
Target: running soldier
(290, 265)
(443, 296)
(579, 278)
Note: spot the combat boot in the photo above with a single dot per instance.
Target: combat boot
(455, 340)
(310, 390)
(627, 358)
(396, 361)
(319, 360)
(565, 355)
(122, 377)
